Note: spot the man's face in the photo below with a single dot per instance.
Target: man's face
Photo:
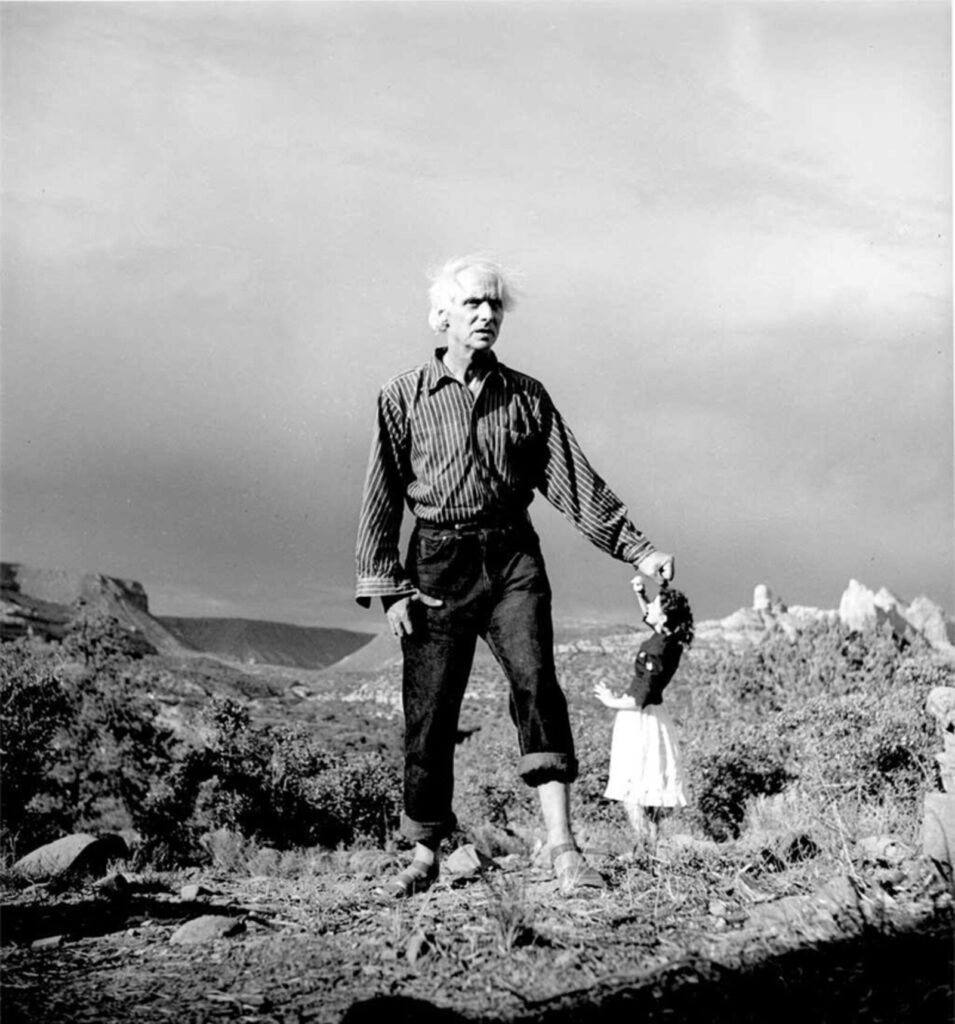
(476, 314)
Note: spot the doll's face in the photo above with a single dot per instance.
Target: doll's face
(656, 617)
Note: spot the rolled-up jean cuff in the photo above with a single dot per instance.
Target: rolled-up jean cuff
(428, 832)
(536, 769)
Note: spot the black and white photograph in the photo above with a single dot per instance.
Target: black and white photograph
(478, 511)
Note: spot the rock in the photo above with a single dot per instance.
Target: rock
(888, 851)
(765, 603)
(418, 946)
(938, 832)
(50, 942)
(838, 895)
(494, 841)
(80, 854)
(819, 911)
(467, 861)
(115, 887)
(781, 913)
(207, 928)
(192, 892)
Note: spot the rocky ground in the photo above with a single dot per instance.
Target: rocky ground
(676, 938)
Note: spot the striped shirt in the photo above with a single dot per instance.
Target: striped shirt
(454, 455)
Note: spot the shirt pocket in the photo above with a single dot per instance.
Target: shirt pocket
(520, 464)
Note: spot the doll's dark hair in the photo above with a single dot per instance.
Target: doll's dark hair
(679, 621)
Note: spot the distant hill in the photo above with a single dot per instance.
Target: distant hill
(46, 603)
(268, 643)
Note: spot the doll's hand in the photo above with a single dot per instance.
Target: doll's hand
(639, 586)
(602, 693)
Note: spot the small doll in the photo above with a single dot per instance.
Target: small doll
(645, 774)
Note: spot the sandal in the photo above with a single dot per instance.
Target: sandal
(416, 877)
(578, 874)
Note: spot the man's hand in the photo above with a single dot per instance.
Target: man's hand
(400, 613)
(657, 565)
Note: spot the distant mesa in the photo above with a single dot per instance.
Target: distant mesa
(47, 602)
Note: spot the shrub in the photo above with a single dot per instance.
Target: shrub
(871, 744)
(34, 707)
(113, 750)
(750, 765)
(101, 642)
(274, 785)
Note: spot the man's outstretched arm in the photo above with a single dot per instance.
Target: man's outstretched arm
(570, 484)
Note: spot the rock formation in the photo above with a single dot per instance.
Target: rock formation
(930, 620)
(859, 607)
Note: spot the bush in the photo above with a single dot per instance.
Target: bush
(34, 708)
(275, 785)
(724, 780)
(869, 744)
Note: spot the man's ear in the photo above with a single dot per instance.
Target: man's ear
(438, 319)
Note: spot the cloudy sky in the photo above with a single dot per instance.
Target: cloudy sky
(733, 225)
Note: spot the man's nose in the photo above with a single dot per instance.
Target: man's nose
(486, 311)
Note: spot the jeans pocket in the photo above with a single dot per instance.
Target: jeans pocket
(431, 548)
(440, 564)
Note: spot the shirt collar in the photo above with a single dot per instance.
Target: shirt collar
(437, 373)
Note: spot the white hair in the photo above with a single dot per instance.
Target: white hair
(445, 287)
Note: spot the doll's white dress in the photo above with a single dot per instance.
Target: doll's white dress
(644, 755)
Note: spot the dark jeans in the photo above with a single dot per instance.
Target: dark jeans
(493, 585)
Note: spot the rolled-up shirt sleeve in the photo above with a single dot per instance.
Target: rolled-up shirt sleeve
(378, 564)
(571, 485)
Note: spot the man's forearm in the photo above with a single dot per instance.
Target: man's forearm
(572, 486)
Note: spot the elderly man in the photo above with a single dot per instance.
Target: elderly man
(465, 441)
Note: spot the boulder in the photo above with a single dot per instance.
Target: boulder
(207, 928)
(80, 854)
(467, 861)
(883, 850)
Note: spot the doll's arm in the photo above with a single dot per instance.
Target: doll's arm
(609, 700)
(640, 593)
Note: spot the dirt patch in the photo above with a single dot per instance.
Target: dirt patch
(501, 947)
